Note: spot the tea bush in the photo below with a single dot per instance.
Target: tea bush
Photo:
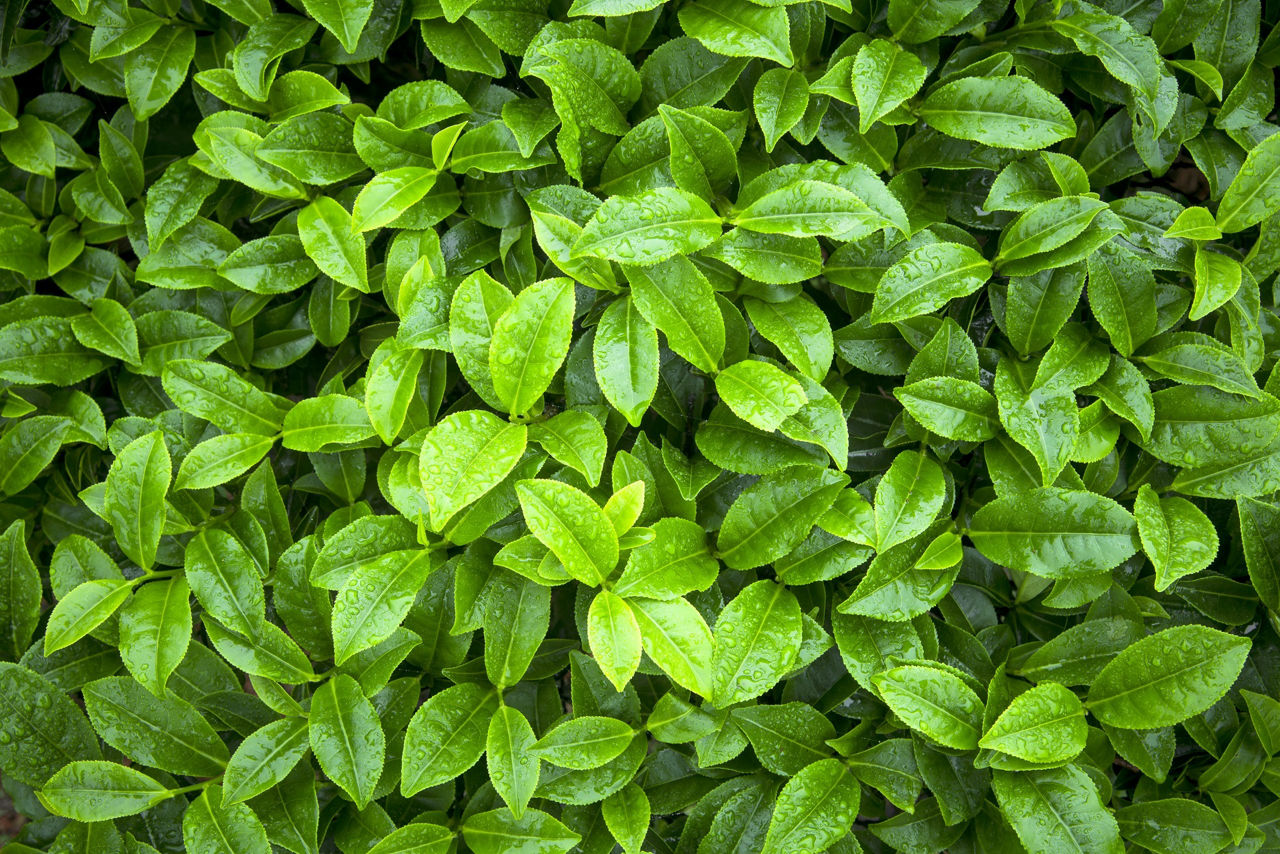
(588, 425)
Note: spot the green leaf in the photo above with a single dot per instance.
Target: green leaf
(737, 28)
(264, 759)
(757, 638)
(1056, 810)
(83, 610)
(381, 202)
(1044, 420)
(895, 586)
(1055, 533)
(702, 158)
(1253, 473)
(760, 393)
(418, 837)
(477, 305)
(315, 148)
(610, 8)
(915, 21)
(625, 357)
(446, 736)
(678, 640)
(596, 82)
(330, 419)
(772, 258)
(1076, 656)
(925, 279)
(1076, 358)
(1151, 751)
(674, 720)
(1217, 279)
(814, 809)
(943, 551)
(389, 391)
(517, 614)
(649, 227)
(134, 502)
(271, 653)
(346, 737)
(535, 832)
(908, 499)
(530, 340)
(773, 515)
(332, 242)
(799, 329)
(559, 213)
(217, 394)
(1175, 534)
(98, 791)
(44, 350)
(301, 92)
(44, 730)
(1198, 362)
(367, 538)
(780, 99)
(27, 447)
(1010, 112)
(344, 18)
(614, 636)
(375, 599)
(1260, 541)
(507, 747)
(627, 813)
(222, 458)
(953, 408)
(1043, 724)
(494, 148)
(1122, 295)
(1189, 422)
(786, 737)
(1129, 56)
(809, 208)
(175, 199)
(933, 702)
(463, 46)
(1247, 200)
(1167, 677)
(676, 298)
(158, 731)
(1194, 224)
(890, 768)
(215, 825)
(624, 507)
(1173, 824)
(884, 75)
(30, 146)
(108, 328)
(154, 72)
(155, 629)
(677, 561)
(225, 580)
(569, 523)
(167, 335)
(584, 742)
(464, 457)
(1047, 226)
(269, 265)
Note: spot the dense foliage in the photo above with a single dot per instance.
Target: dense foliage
(719, 426)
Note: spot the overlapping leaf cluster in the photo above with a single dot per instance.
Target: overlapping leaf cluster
(725, 425)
